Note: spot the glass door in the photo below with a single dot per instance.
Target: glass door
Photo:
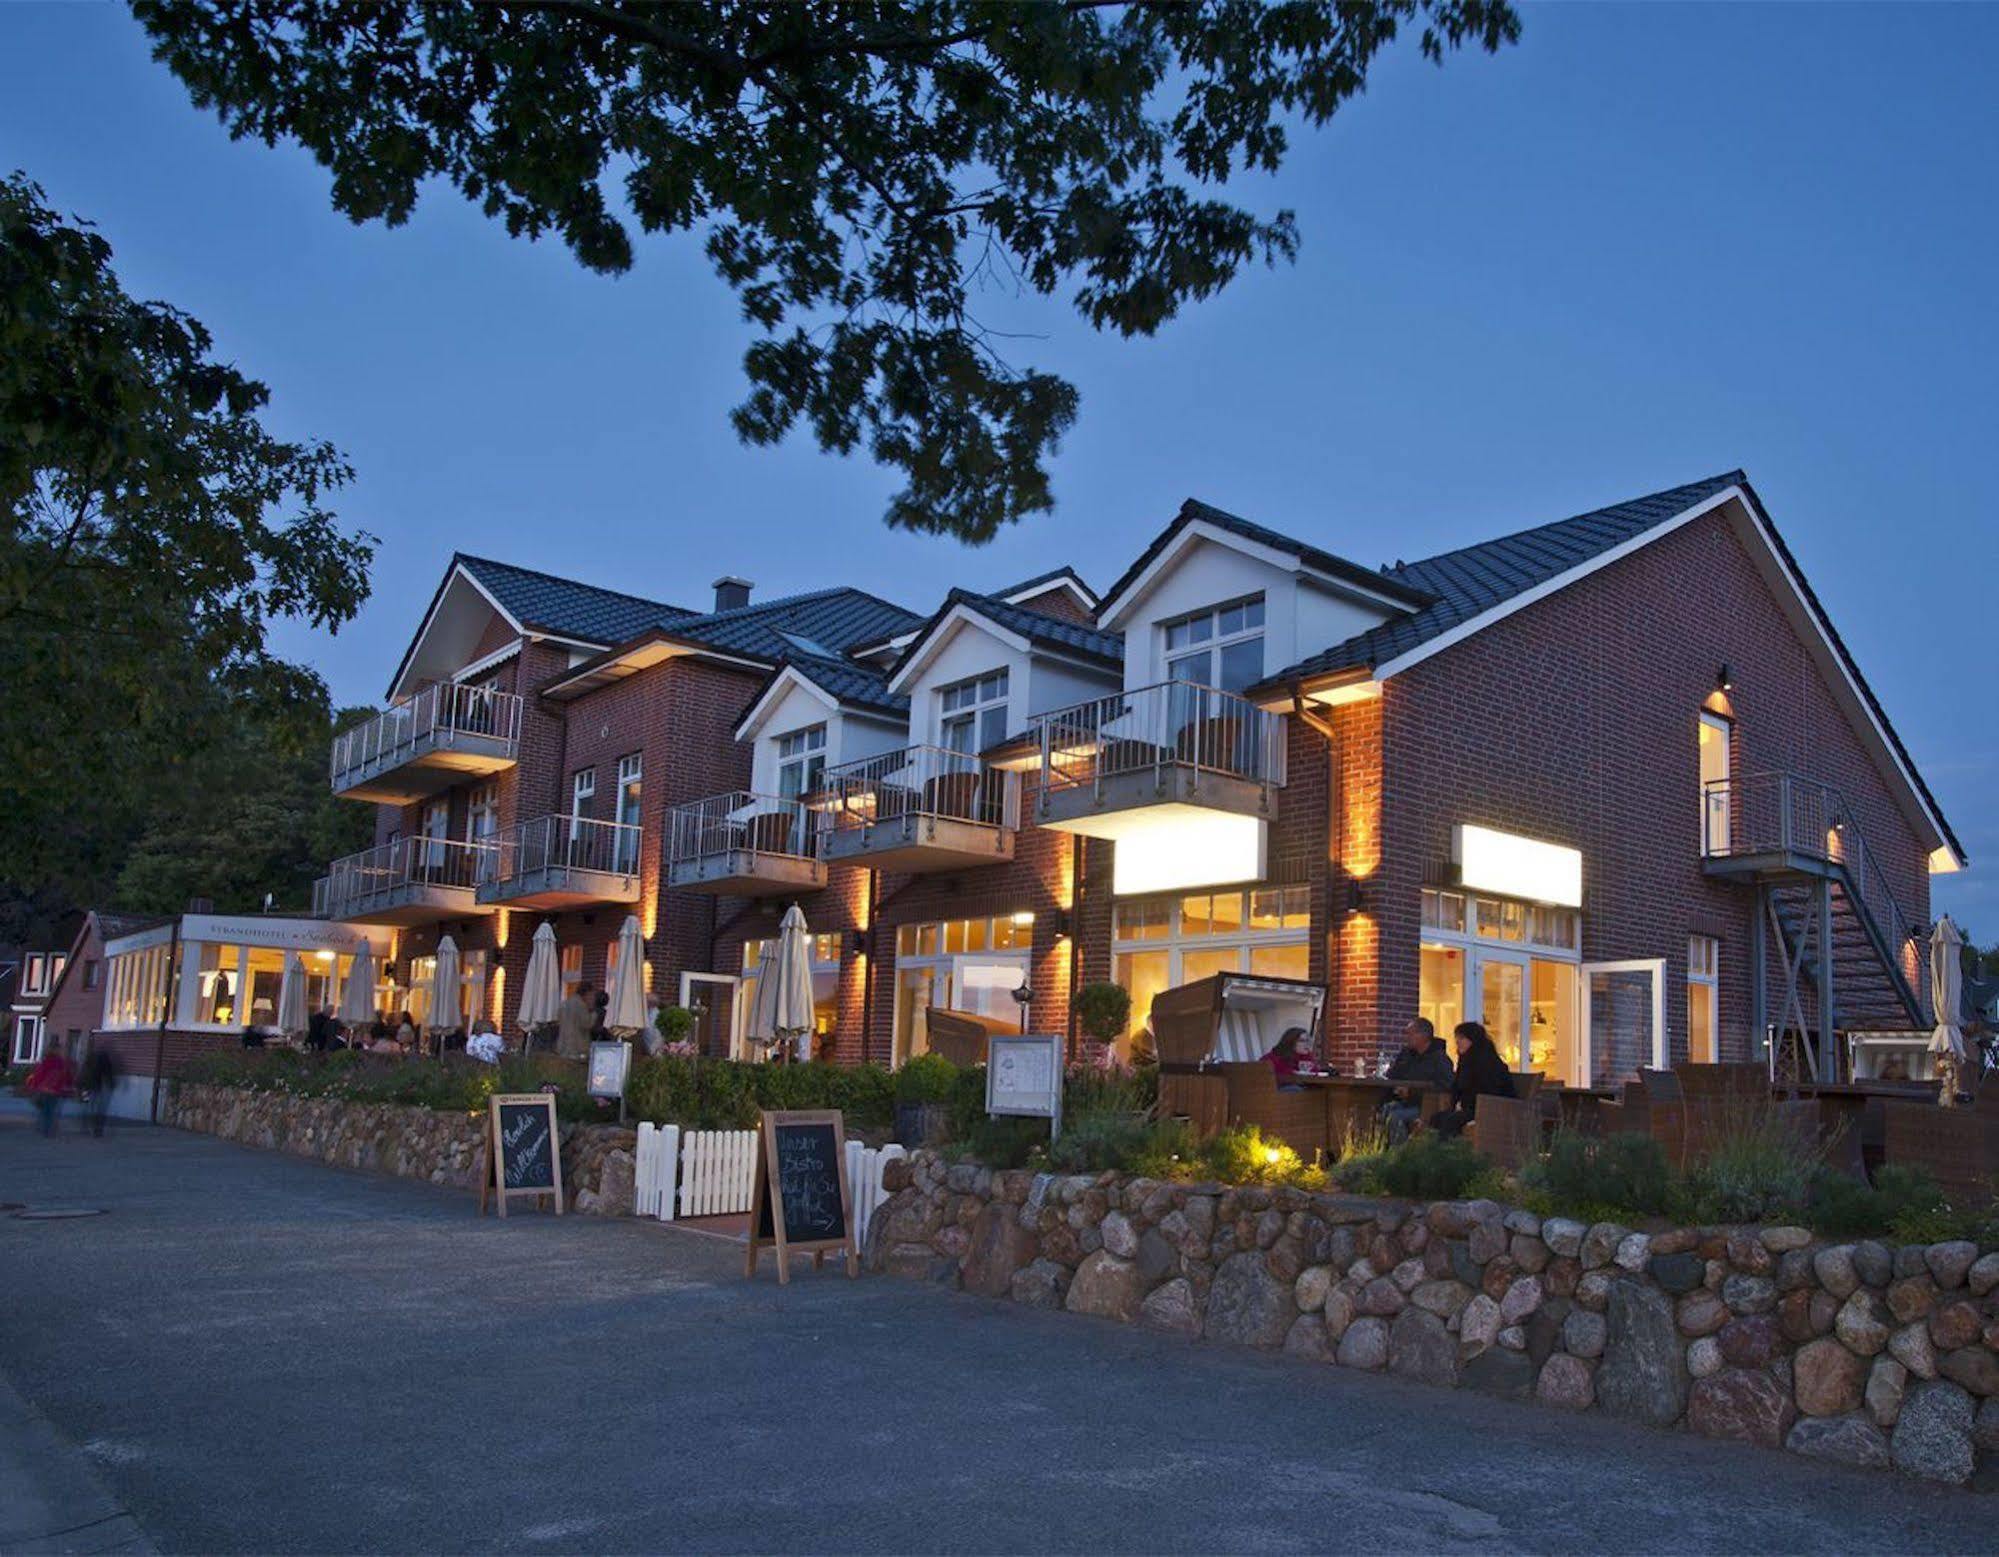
(1499, 995)
(1624, 1019)
(712, 999)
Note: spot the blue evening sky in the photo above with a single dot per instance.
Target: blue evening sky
(1646, 244)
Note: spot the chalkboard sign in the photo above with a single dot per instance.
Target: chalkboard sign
(801, 1192)
(523, 1149)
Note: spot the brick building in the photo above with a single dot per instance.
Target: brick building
(1612, 785)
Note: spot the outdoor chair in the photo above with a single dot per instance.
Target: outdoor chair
(1297, 1118)
(960, 1036)
(1508, 1130)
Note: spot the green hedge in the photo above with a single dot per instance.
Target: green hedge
(451, 1085)
(726, 1094)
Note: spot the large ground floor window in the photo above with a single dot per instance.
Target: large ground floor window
(957, 965)
(471, 988)
(1511, 966)
(1161, 943)
(825, 991)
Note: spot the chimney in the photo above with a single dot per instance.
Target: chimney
(731, 592)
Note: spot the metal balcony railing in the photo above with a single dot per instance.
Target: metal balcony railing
(441, 715)
(741, 822)
(384, 875)
(1175, 724)
(918, 781)
(567, 843)
(1783, 813)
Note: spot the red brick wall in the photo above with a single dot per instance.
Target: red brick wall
(1576, 721)
(1061, 603)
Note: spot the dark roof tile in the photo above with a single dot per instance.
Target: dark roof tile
(566, 607)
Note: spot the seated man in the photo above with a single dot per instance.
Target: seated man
(1423, 1063)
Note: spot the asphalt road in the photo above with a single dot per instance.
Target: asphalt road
(258, 1353)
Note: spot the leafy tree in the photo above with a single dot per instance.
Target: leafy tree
(152, 527)
(859, 170)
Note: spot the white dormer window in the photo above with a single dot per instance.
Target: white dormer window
(801, 761)
(972, 713)
(1219, 647)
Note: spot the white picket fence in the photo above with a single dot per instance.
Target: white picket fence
(683, 1173)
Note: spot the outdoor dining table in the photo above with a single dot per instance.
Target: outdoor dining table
(1576, 1108)
(1353, 1103)
(1853, 1118)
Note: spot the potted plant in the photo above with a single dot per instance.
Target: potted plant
(674, 1024)
(923, 1090)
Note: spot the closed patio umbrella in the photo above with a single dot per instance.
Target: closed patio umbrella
(291, 995)
(541, 989)
(782, 1009)
(357, 995)
(626, 1013)
(444, 1012)
(1946, 990)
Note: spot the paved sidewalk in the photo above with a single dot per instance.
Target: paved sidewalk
(51, 1499)
(260, 1353)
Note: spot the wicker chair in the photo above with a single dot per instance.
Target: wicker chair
(960, 1036)
(1297, 1118)
(1508, 1130)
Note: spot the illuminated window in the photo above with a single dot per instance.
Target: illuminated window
(959, 965)
(1703, 999)
(1219, 647)
(631, 775)
(1507, 964)
(972, 713)
(801, 761)
(569, 959)
(825, 985)
(1714, 768)
(1162, 943)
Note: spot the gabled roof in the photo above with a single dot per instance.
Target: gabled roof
(1484, 582)
(565, 606)
(1193, 512)
(855, 688)
(110, 926)
(760, 634)
(1041, 583)
(1460, 584)
(1054, 633)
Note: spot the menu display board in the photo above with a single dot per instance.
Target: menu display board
(802, 1201)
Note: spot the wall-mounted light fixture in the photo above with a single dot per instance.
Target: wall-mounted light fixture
(857, 942)
(1724, 678)
(1356, 898)
(1061, 924)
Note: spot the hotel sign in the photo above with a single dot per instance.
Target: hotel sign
(1512, 866)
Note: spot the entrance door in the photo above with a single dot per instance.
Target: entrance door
(1499, 996)
(1623, 1019)
(712, 999)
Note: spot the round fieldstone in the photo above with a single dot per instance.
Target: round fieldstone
(1565, 1383)
(1040, 1284)
(1794, 1270)
(1382, 1297)
(1955, 1324)
(1478, 1323)
(1512, 1338)
(1740, 1403)
(1794, 1317)
(1751, 1341)
(1106, 1286)
(1487, 1241)
(1529, 1253)
(1932, 1436)
(1172, 1307)
(1421, 1348)
(1498, 1276)
(1563, 1236)
(1912, 1348)
(1780, 1240)
(1887, 1383)
(1862, 1324)
(1643, 1374)
(1339, 1313)
(1985, 1427)
(1747, 1252)
(1677, 1273)
(1521, 1299)
(1912, 1298)
(1593, 1290)
(1307, 1338)
(1983, 1275)
(1951, 1262)
(1749, 1294)
(1829, 1378)
(1497, 1371)
(1583, 1333)
(1445, 1299)
(1845, 1440)
(1600, 1245)
(1310, 1289)
(1836, 1274)
(1972, 1366)
(1873, 1264)
(1562, 1275)
(1409, 1275)
(1633, 1250)
(1247, 1304)
(1700, 1312)
(1704, 1357)
(1120, 1237)
(1365, 1344)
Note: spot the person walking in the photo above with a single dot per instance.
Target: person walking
(1422, 1063)
(52, 1080)
(572, 1024)
(1481, 1073)
(100, 1078)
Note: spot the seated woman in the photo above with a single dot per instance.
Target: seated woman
(1288, 1059)
(1480, 1073)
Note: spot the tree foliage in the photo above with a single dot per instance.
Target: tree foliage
(860, 171)
(153, 527)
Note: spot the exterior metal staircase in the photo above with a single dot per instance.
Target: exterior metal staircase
(1824, 907)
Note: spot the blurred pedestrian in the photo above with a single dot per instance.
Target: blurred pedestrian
(100, 1079)
(52, 1080)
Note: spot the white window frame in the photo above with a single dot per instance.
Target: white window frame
(582, 793)
(1715, 804)
(35, 979)
(631, 806)
(969, 705)
(31, 1027)
(1214, 640)
(1475, 950)
(1177, 940)
(730, 1003)
(1656, 966)
(803, 750)
(436, 832)
(1707, 977)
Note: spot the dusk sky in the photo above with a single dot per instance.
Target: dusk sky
(1647, 244)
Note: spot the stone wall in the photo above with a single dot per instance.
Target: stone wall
(412, 1143)
(1854, 1352)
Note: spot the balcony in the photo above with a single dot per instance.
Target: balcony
(744, 845)
(918, 809)
(411, 881)
(564, 862)
(442, 736)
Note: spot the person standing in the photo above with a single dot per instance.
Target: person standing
(1422, 1063)
(52, 1080)
(572, 1024)
(100, 1078)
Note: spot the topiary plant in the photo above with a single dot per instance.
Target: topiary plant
(674, 1022)
(928, 1078)
(1103, 1011)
